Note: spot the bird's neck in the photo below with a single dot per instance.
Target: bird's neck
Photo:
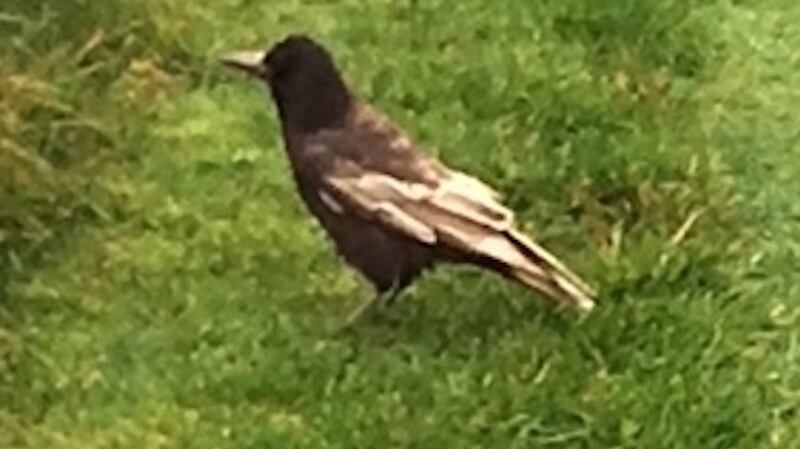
(313, 105)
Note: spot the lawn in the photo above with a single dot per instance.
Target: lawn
(163, 286)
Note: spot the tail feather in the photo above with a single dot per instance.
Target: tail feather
(514, 255)
(544, 272)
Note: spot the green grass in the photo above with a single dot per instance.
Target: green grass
(164, 287)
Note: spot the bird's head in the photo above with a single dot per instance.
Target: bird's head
(309, 92)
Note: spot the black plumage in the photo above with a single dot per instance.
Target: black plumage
(391, 210)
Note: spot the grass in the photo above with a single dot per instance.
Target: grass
(163, 286)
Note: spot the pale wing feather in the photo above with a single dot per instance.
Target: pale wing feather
(461, 211)
(380, 200)
(467, 197)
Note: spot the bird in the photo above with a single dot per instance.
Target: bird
(392, 210)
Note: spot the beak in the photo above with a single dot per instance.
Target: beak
(249, 61)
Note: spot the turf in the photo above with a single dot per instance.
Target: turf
(163, 286)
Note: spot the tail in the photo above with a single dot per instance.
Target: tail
(542, 271)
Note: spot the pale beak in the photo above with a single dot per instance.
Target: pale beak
(249, 61)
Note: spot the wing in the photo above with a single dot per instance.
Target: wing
(463, 215)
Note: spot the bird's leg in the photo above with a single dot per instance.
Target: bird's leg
(361, 309)
(381, 299)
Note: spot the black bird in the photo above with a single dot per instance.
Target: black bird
(391, 210)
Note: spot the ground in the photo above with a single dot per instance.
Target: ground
(164, 287)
